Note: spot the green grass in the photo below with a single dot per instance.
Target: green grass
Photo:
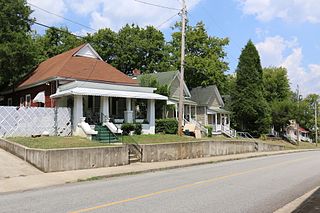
(302, 145)
(161, 138)
(56, 142)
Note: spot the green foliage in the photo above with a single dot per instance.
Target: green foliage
(56, 41)
(105, 43)
(205, 56)
(137, 129)
(127, 128)
(263, 137)
(17, 51)
(282, 112)
(252, 113)
(168, 126)
(209, 128)
(276, 84)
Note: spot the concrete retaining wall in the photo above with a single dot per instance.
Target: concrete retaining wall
(176, 151)
(53, 160)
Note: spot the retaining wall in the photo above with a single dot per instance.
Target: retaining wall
(53, 160)
(177, 151)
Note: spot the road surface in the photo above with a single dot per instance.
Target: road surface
(252, 185)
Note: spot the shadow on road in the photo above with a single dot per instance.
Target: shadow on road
(310, 205)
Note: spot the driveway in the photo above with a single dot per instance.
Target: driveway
(12, 166)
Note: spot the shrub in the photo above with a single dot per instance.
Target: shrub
(138, 129)
(127, 128)
(168, 125)
(209, 128)
(263, 137)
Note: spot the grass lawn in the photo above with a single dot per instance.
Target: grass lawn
(302, 145)
(161, 138)
(56, 142)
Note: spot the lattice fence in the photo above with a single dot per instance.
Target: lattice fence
(24, 122)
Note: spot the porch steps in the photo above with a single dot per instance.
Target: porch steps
(104, 135)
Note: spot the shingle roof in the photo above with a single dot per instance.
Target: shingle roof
(68, 65)
(164, 78)
(203, 95)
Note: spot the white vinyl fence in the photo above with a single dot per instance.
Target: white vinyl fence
(28, 121)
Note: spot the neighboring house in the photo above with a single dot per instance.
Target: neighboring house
(202, 106)
(92, 88)
(210, 110)
(172, 80)
(292, 133)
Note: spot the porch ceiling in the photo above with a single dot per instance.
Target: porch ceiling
(108, 93)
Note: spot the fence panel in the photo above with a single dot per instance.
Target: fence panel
(27, 121)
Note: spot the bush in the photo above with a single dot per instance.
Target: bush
(263, 137)
(127, 128)
(168, 126)
(138, 129)
(209, 128)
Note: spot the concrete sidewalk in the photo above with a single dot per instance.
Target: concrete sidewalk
(58, 178)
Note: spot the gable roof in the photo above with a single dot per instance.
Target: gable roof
(203, 95)
(166, 78)
(80, 63)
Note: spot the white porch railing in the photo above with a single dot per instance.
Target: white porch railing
(228, 131)
(199, 125)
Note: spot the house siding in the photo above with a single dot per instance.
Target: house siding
(33, 91)
(201, 115)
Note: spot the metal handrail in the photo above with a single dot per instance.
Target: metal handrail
(105, 118)
(134, 144)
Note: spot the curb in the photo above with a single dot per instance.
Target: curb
(293, 205)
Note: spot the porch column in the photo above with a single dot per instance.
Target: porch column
(128, 115)
(176, 110)
(104, 108)
(152, 115)
(190, 113)
(77, 110)
(216, 120)
(195, 113)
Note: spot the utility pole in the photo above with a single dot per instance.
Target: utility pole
(181, 95)
(315, 119)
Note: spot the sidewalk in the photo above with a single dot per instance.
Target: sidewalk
(58, 178)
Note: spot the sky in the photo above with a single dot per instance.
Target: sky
(285, 32)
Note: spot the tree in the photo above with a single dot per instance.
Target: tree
(56, 41)
(276, 84)
(104, 42)
(205, 56)
(252, 113)
(279, 96)
(140, 48)
(17, 52)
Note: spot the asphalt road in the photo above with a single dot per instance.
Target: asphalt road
(252, 185)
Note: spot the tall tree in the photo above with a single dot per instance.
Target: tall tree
(56, 41)
(252, 113)
(279, 96)
(276, 84)
(205, 56)
(104, 42)
(140, 48)
(17, 52)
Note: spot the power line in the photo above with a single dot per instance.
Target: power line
(167, 20)
(54, 28)
(157, 5)
(74, 22)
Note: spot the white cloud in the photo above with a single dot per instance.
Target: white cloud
(276, 51)
(288, 10)
(54, 6)
(109, 13)
(115, 14)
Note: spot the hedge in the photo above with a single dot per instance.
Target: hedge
(168, 126)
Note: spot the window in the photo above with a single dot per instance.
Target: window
(28, 100)
(9, 101)
(21, 101)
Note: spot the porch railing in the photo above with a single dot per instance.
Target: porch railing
(228, 131)
(199, 125)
